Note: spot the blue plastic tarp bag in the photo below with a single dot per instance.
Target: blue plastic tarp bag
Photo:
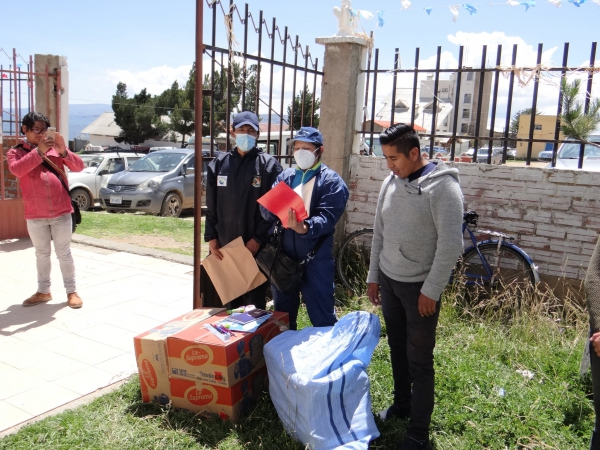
(319, 384)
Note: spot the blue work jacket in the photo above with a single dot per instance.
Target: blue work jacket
(327, 205)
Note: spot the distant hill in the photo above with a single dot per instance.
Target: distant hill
(80, 116)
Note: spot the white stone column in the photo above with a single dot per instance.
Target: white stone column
(342, 99)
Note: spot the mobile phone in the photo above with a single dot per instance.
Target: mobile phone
(51, 133)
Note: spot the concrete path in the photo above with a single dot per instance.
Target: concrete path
(52, 355)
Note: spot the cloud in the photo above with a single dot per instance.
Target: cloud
(155, 80)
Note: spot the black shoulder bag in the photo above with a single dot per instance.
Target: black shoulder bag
(284, 273)
(76, 214)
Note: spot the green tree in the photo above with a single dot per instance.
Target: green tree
(514, 123)
(576, 123)
(219, 95)
(135, 116)
(297, 105)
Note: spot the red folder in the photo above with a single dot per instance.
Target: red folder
(280, 199)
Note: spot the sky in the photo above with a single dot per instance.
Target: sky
(151, 43)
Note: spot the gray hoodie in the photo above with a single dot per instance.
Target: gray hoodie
(418, 230)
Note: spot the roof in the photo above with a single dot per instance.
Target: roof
(275, 127)
(386, 123)
(104, 125)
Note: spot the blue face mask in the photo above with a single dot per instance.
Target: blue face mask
(245, 142)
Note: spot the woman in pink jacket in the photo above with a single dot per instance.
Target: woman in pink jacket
(47, 202)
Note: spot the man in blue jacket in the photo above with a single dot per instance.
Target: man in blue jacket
(325, 195)
(235, 180)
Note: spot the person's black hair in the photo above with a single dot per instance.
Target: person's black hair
(402, 136)
(31, 118)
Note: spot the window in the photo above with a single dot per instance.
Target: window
(467, 98)
(470, 76)
(538, 127)
(464, 128)
(116, 165)
(466, 113)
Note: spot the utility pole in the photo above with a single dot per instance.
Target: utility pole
(198, 152)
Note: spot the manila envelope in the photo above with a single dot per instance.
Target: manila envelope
(236, 274)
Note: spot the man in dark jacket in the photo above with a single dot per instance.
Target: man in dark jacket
(325, 195)
(235, 180)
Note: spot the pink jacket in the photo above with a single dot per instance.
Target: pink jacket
(44, 195)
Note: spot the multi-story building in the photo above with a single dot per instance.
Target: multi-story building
(446, 109)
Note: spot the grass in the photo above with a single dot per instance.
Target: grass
(148, 230)
(477, 355)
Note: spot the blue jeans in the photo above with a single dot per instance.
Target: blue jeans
(42, 232)
(411, 339)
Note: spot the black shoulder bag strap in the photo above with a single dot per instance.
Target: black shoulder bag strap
(311, 254)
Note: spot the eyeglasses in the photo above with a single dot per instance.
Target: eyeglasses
(39, 130)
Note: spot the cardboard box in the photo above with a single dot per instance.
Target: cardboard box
(196, 354)
(218, 401)
(151, 354)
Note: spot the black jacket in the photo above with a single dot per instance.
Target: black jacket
(233, 185)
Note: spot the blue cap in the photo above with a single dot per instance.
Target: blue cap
(308, 134)
(245, 118)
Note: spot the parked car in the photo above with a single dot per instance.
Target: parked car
(441, 151)
(161, 182)
(84, 186)
(567, 156)
(511, 153)
(483, 154)
(545, 155)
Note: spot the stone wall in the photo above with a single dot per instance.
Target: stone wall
(553, 214)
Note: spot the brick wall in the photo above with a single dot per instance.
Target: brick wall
(553, 214)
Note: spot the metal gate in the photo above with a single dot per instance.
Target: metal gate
(17, 98)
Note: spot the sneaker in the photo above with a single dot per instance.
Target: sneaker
(74, 300)
(395, 411)
(37, 298)
(410, 443)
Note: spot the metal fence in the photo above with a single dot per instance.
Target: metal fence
(488, 103)
(17, 98)
(237, 69)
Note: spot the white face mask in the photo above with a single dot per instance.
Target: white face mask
(245, 142)
(305, 158)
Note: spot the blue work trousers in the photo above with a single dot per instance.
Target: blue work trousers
(317, 294)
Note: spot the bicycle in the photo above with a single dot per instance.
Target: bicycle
(495, 263)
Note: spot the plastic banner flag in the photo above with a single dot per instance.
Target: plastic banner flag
(380, 21)
(454, 11)
(529, 4)
(513, 3)
(577, 3)
(405, 4)
(353, 13)
(367, 15)
(428, 10)
(472, 10)
(555, 3)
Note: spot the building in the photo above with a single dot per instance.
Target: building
(104, 130)
(545, 128)
(446, 108)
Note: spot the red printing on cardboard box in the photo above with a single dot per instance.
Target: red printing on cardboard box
(149, 374)
(196, 356)
(199, 397)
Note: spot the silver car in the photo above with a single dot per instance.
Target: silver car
(84, 186)
(568, 155)
(161, 182)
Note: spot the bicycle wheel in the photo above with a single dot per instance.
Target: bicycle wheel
(509, 268)
(353, 258)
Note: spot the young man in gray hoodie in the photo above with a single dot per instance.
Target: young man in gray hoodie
(417, 240)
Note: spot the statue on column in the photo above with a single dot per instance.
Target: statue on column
(344, 17)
